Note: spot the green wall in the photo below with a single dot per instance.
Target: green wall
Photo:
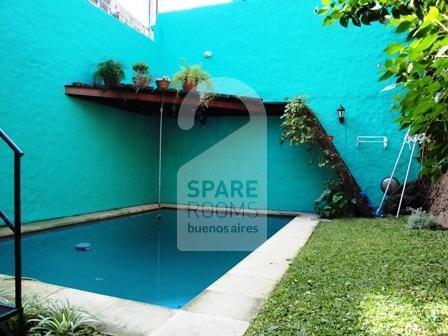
(80, 157)
(281, 50)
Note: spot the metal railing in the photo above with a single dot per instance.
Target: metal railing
(16, 227)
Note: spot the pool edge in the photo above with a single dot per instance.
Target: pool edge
(55, 223)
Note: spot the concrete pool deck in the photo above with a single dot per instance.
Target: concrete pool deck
(225, 308)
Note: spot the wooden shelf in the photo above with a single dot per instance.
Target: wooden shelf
(148, 101)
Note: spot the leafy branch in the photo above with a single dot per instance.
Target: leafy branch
(418, 65)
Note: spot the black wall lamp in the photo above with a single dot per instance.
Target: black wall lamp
(341, 114)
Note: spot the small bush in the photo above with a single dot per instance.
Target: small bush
(420, 219)
(333, 202)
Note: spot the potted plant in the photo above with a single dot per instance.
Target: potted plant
(109, 73)
(163, 83)
(142, 77)
(190, 76)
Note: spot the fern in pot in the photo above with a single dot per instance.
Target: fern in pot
(190, 76)
(109, 73)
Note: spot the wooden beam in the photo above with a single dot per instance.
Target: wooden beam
(171, 97)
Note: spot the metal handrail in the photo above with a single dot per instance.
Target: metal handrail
(10, 143)
(16, 227)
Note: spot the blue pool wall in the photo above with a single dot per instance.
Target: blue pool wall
(80, 157)
(282, 50)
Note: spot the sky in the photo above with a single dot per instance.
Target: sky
(137, 7)
(171, 5)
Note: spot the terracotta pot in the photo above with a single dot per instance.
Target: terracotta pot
(186, 86)
(162, 84)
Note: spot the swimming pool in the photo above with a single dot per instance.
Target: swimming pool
(133, 257)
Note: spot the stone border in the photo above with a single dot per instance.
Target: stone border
(79, 219)
(245, 211)
(5, 232)
(225, 308)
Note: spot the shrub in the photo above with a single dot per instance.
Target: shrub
(332, 203)
(420, 219)
(109, 73)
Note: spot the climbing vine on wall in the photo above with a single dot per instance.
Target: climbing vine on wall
(301, 126)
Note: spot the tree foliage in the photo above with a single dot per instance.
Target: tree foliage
(418, 64)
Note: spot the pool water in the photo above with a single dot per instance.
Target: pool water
(133, 257)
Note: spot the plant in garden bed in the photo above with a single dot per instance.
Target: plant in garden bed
(333, 202)
(420, 219)
(142, 77)
(418, 64)
(60, 318)
(52, 318)
(109, 73)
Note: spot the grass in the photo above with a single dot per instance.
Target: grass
(362, 277)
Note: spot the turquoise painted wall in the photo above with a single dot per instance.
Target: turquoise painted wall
(281, 50)
(284, 163)
(80, 157)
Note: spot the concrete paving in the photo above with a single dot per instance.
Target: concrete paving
(225, 308)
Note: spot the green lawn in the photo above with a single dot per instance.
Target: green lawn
(362, 277)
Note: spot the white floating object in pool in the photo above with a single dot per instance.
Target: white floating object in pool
(83, 247)
(208, 54)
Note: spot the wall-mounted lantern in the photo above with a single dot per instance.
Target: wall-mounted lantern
(341, 114)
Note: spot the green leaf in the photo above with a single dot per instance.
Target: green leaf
(344, 21)
(403, 26)
(433, 14)
(394, 48)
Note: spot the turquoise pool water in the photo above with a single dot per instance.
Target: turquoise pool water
(134, 257)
